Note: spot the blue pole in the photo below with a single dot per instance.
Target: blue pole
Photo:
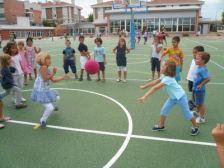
(132, 30)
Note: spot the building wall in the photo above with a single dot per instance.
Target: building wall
(2, 11)
(49, 13)
(59, 15)
(13, 8)
(37, 16)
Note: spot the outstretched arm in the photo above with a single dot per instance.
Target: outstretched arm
(150, 92)
(151, 83)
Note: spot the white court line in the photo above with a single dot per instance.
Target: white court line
(130, 124)
(220, 66)
(203, 44)
(119, 134)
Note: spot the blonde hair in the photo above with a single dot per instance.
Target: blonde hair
(171, 69)
(41, 58)
(4, 58)
(21, 43)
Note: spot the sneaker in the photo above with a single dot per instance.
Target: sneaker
(2, 126)
(56, 108)
(23, 100)
(21, 106)
(80, 79)
(98, 80)
(200, 120)
(125, 81)
(195, 114)
(194, 131)
(43, 124)
(118, 80)
(89, 79)
(76, 77)
(157, 128)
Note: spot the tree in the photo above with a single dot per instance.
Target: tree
(223, 17)
(90, 18)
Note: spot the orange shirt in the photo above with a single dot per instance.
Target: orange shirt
(175, 54)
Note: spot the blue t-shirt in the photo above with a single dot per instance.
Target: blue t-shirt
(69, 53)
(174, 90)
(99, 53)
(200, 75)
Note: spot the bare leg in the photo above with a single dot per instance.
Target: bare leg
(35, 73)
(125, 75)
(158, 74)
(153, 75)
(119, 75)
(103, 75)
(162, 121)
(194, 122)
(201, 110)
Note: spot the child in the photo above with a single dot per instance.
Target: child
(7, 81)
(24, 61)
(145, 36)
(69, 59)
(41, 91)
(176, 55)
(18, 76)
(121, 50)
(100, 57)
(218, 134)
(191, 73)
(176, 94)
(155, 62)
(85, 56)
(201, 78)
(2, 117)
(31, 52)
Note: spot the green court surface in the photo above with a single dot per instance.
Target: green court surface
(103, 125)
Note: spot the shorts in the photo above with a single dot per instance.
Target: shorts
(83, 61)
(177, 77)
(101, 66)
(71, 64)
(155, 64)
(190, 86)
(122, 68)
(199, 97)
(182, 103)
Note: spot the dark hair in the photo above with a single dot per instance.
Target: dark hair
(171, 69)
(199, 48)
(5, 49)
(68, 41)
(99, 40)
(176, 38)
(9, 47)
(4, 58)
(205, 57)
(29, 39)
(81, 37)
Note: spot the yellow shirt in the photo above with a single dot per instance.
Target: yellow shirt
(175, 54)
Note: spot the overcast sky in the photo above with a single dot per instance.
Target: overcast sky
(211, 8)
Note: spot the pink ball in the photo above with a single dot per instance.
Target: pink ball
(92, 67)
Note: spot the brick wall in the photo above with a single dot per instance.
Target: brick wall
(13, 8)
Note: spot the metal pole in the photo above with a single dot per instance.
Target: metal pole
(132, 30)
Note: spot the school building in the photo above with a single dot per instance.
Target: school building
(177, 16)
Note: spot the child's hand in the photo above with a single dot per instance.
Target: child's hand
(105, 62)
(218, 134)
(55, 69)
(142, 87)
(142, 99)
(200, 86)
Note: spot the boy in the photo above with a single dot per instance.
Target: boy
(176, 55)
(100, 57)
(69, 59)
(85, 56)
(201, 78)
(191, 73)
(155, 63)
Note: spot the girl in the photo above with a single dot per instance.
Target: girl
(100, 57)
(121, 50)
(155, 62)
(176, 94)
(41, 91)
(7, 81)
(18, 75)
(31, 54)
(24, 61)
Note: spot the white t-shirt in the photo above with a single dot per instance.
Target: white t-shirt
(154, 53)
(16, 64)
(192, 71)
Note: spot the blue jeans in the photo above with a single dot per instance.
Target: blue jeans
(183, 103)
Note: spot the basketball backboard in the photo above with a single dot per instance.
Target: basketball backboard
(125, 4)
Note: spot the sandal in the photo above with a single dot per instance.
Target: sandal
(4, 119)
